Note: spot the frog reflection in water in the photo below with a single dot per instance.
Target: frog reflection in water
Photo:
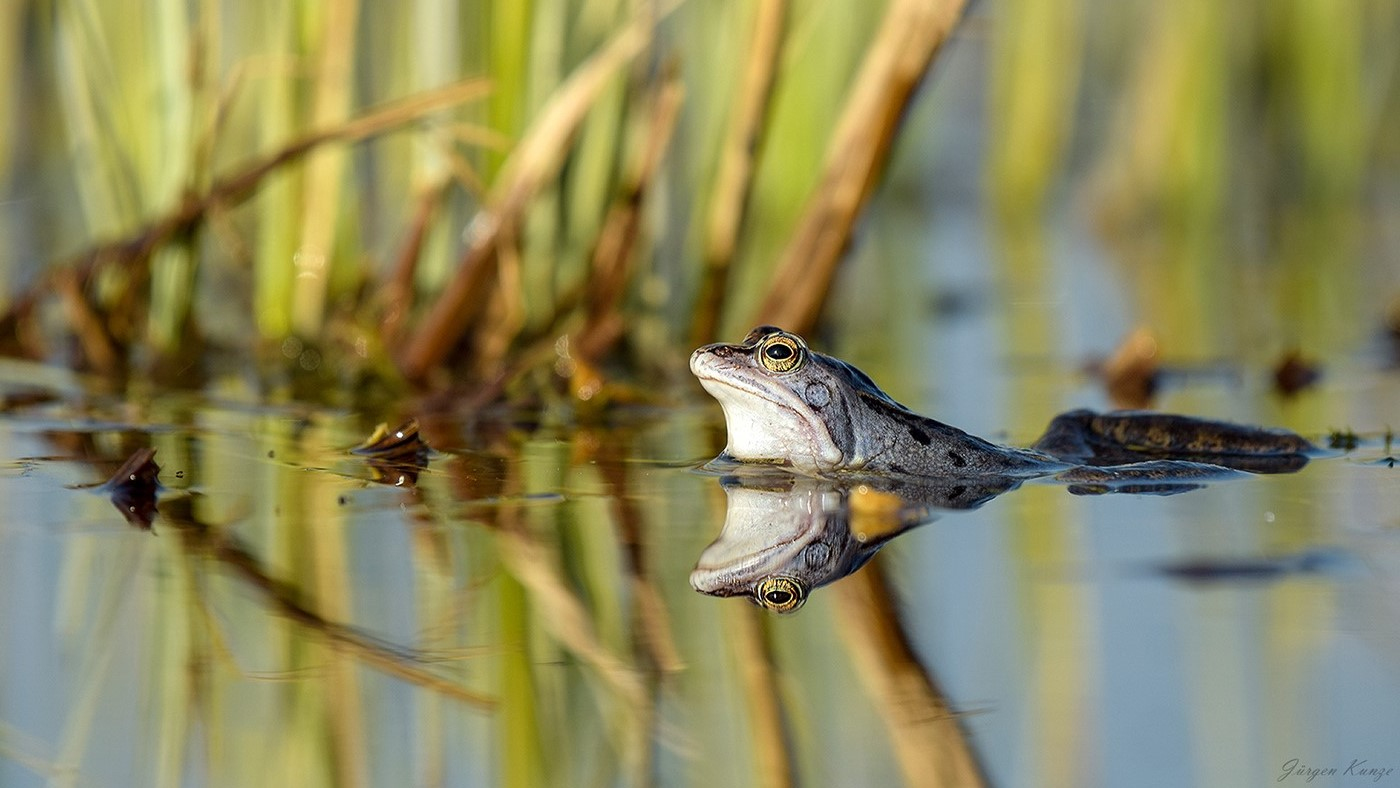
(789, 408)
(785, 535)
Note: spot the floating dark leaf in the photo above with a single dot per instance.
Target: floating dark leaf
(395, 456)
(133, 488)
(397, 473)
(402, 443)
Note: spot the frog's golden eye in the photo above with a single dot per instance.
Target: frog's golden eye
(780, 594)
(781, 353)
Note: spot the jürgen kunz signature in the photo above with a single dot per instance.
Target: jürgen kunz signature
(1359, 767)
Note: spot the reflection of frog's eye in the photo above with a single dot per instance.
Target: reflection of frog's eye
(781, 594)
(781, 353)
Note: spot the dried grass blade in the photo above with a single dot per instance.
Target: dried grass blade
(616, 246)
(538, 158)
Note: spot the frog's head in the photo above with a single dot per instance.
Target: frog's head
(784, 403)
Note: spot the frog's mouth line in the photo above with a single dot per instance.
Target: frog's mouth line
(722, 389)
(729, 572)
(705, 369)
(743, 386)
(737, 575)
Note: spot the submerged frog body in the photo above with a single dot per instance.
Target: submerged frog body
(786, 404)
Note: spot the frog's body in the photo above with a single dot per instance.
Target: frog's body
(785, 404)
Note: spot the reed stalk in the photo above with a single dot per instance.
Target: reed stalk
(1032, 104)
(536, 158)
(895, 63)
(926, 733)
(325, 185)
(734, 180)
(467, 239)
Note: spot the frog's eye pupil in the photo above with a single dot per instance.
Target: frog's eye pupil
(780, 594)
(781, 354)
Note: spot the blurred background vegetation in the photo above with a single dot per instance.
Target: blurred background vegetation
(550, 199)
(526, 197)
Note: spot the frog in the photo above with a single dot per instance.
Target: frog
(787, 405)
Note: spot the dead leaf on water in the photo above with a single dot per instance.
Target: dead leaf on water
(133, 488)
(403, 442)
(395, 456)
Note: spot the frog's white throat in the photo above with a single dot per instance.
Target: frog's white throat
(772, 425)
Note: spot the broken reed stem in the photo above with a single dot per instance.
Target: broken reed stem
(398, 291)
(536, 159)
(376, 653)
(734, 183)
(895, 63)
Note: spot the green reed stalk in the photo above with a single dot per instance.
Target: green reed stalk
(169, 675)
(1034, 85)
(325, 188)
(821, 54)
(274, 264)
(436, 58)
(1326, 67)
(522, 755)
(167, 162)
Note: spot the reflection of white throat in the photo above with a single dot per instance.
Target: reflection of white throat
(763, 532)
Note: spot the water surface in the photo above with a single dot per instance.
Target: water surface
(521, 612)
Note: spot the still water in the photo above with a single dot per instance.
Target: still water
(520, 611)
